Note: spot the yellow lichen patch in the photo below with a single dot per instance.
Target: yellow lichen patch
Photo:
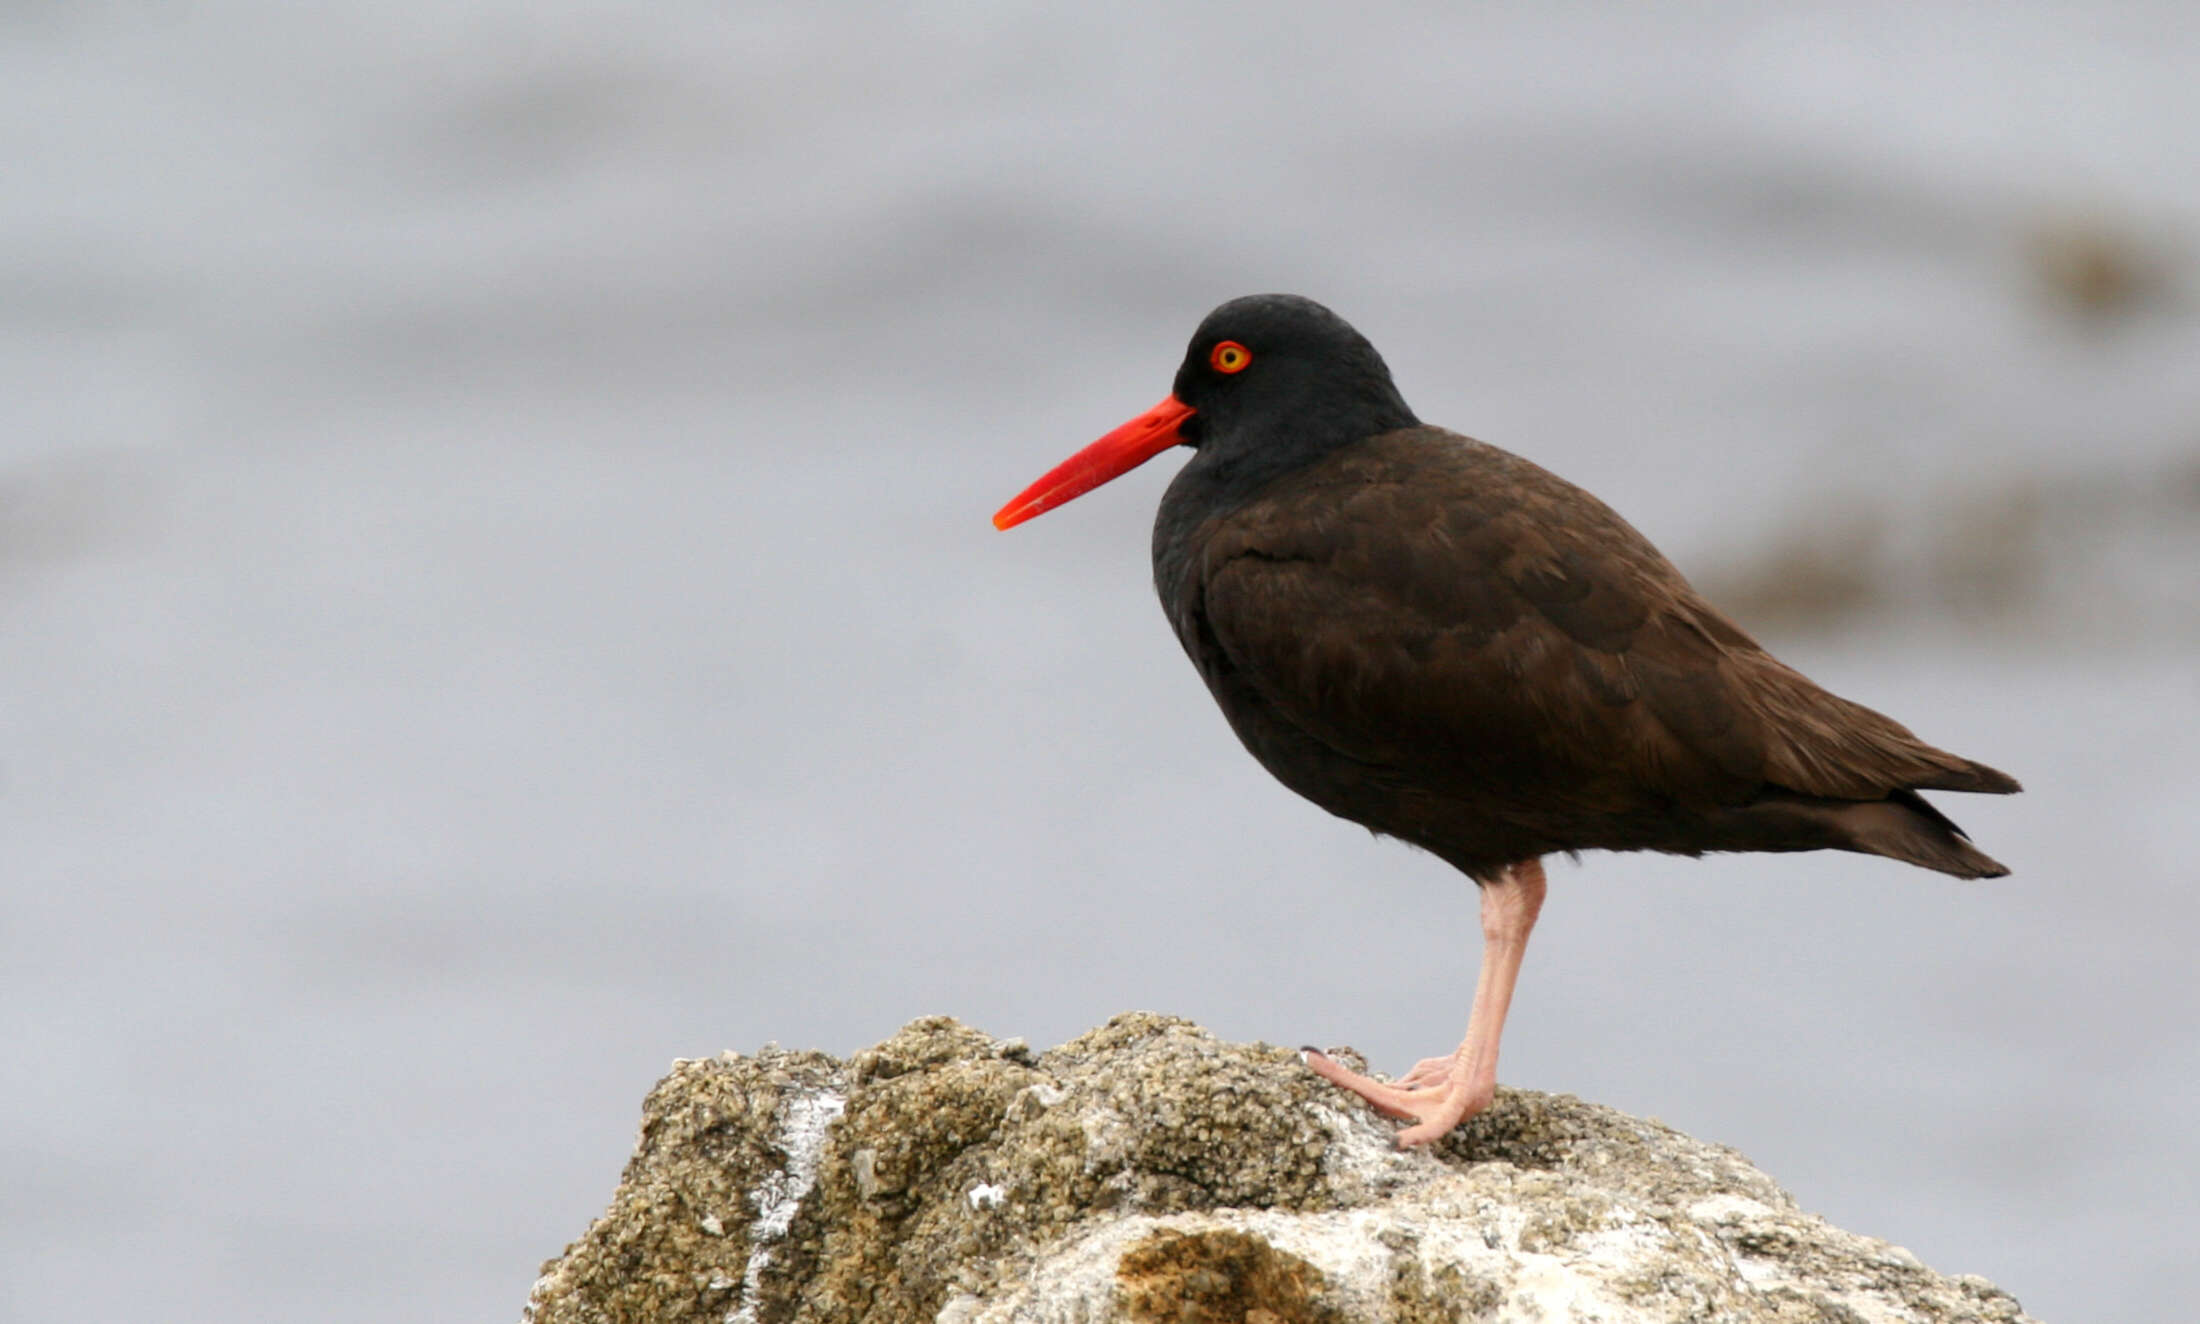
(1218, 1277)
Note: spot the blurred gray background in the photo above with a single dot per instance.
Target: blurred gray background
(497, 591)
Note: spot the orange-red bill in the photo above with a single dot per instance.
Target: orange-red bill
(1112, 456)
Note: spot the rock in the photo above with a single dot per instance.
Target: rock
(1147, 1171)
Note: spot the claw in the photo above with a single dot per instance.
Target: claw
(1426, 1070)
(1390, 1100)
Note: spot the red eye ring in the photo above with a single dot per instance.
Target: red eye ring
(1229, 356)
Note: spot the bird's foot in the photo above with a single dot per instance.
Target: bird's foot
(1437, 1095)
(1427, 1071)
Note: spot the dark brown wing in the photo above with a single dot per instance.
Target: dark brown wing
(1453, 614)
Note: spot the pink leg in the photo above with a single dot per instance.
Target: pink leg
(1441, 1092)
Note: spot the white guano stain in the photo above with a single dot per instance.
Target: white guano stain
(804, 1120)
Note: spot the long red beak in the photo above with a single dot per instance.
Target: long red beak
(1112, 456)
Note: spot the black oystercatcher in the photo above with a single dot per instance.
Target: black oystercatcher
(1440, 641)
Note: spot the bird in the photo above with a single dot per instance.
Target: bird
(1450, 645)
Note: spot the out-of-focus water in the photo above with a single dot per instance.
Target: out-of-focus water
(496, 593)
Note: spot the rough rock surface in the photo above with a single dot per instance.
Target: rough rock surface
(1148, 1171)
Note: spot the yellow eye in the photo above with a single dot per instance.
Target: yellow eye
(1230, 356)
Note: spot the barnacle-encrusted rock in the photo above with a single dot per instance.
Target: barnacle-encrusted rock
(1147, 1171)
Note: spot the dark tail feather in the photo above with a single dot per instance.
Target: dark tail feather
(1904, 827)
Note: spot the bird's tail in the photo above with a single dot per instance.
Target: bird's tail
(1904, 827)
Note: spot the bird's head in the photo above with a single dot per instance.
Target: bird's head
(1270, 381)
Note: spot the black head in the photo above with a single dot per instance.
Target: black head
(1272, 373)
(1272, 382)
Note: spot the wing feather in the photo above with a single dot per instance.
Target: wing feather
(1458, 616)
